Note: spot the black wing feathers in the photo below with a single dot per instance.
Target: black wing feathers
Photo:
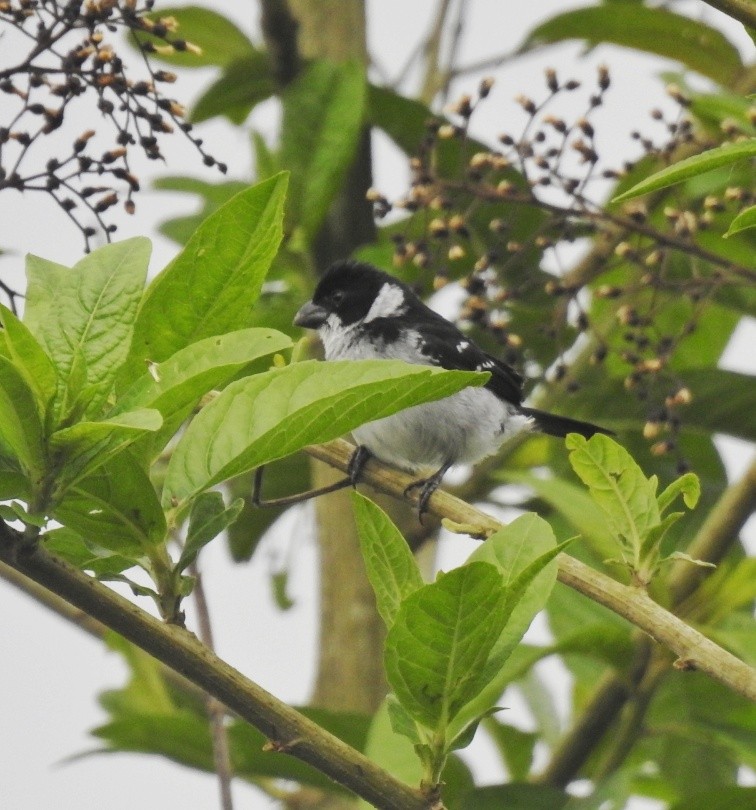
(447, 347)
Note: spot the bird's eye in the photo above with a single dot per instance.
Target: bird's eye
(337, 296)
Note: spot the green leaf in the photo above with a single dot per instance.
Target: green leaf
(514, 746)
(524, 553)
(191, 372)
(85, 316)
(116, 507)
(390, 566)
(515, 797)
(693, 166)
(743, 221)
(574, 503)
(245, 83)
(442, 637)
(220, 40)
(720, 798)
(208, 518)
(211, 286)
(655, 30)
(85, 555)
(322, 118)
(213, 195)
(618, 486)
(395, 753)
(686, 485)
(271, 415)
(87, 445)
(21, 431)
(175, 386)
(24, 351)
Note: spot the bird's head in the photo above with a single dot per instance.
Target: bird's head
(351, 293)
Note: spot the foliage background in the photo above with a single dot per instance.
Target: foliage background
(50, 712)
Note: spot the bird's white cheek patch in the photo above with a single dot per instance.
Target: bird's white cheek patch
(388, 303)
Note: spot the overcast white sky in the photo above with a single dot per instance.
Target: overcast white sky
(50, 671)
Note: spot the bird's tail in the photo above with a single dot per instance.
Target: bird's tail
(562, 425)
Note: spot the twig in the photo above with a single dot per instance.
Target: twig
(491, 194)
(742, 10)
(600, 711)
(432, 53)
(716, 536)
(693, 649)
(289, 731)
(215, 709)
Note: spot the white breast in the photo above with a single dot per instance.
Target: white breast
(462, 428)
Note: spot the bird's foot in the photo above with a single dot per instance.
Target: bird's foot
(427, 487)
(357, 462)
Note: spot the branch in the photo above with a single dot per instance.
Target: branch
(719, 531)
(289, 731)
(693, 649)
(742, 10)
(216, 711)
(601, 215)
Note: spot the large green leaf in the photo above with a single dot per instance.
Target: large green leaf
(440, 641)
(175, 386)
(322, 117)
(218, 38)
(269, 416)
(213, 195)
(116, 507)
(524, 553)
(245, 82)
(21, 432)
(84, 317)
(193, 371)
(618, 485)
(85, 446)
(655, 30)
(691, 167)
(389, 563)
(210, 287)
(24, 351)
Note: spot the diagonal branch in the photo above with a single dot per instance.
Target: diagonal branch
(288, 731)
(693, 649)
(711, 543)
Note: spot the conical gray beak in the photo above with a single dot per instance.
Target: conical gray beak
(311, 316)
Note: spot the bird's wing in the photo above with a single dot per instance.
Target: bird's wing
(447, 347)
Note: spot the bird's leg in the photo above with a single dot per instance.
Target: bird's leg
(427, 487)
(357, 462)
(291, 499)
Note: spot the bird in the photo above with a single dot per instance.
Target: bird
(363, 313)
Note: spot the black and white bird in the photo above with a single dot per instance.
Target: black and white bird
(362, 313)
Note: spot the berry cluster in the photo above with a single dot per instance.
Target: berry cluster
(645, 278)
(69, 60)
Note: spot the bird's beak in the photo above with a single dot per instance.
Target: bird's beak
(311, 316)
